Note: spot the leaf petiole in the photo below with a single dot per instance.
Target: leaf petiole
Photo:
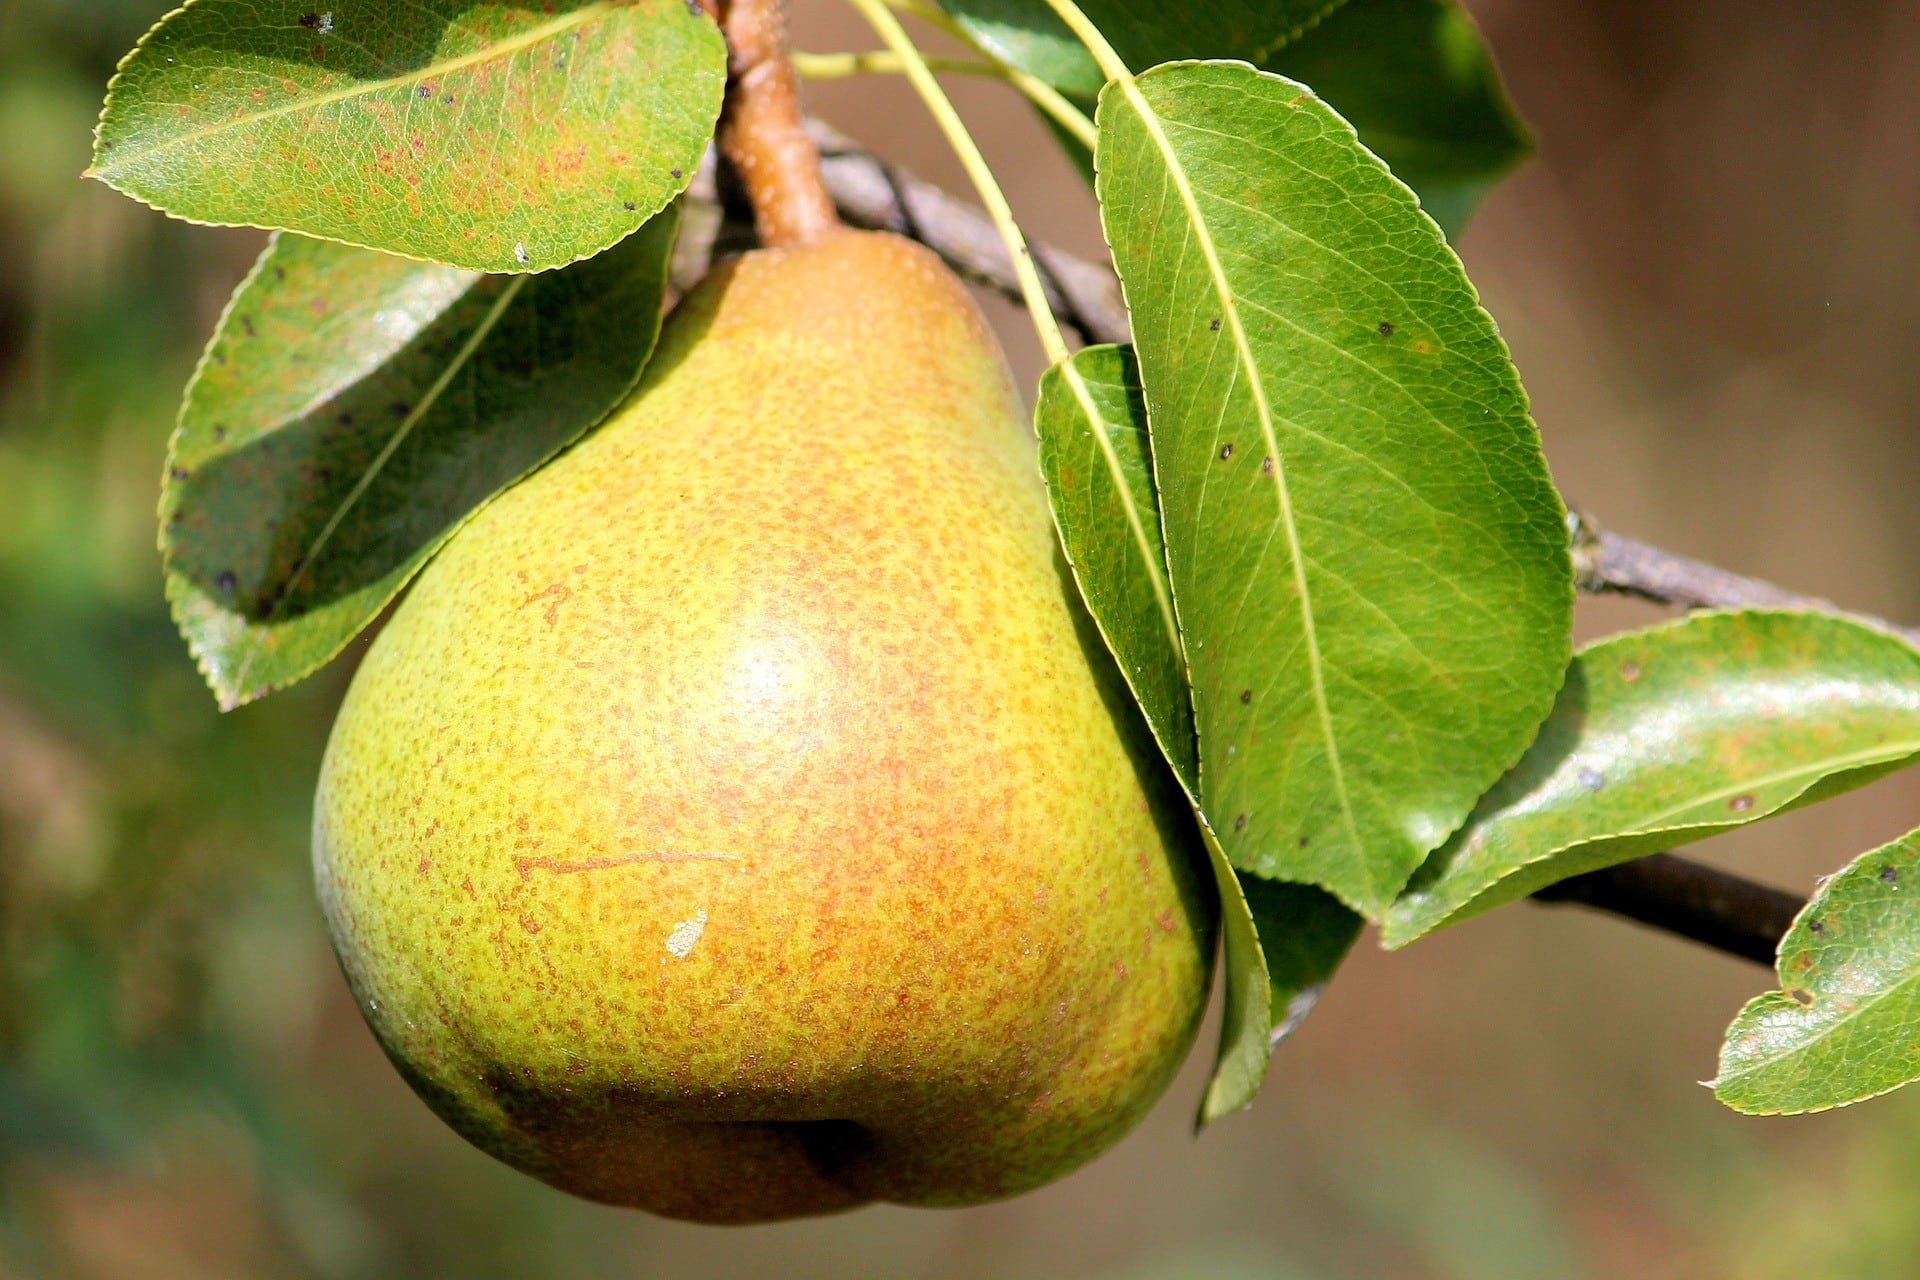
(835, 66)
(913, 65)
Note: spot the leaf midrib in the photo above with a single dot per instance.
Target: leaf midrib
(1244, 354)
(503, 49)
(1156, 568)
(460, 361)
(1865, 1006)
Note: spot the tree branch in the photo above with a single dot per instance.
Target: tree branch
(1608, 562)
(1677, 896)
(1694, 901)
(872, 193)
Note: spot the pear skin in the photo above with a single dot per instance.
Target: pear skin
(740, 818)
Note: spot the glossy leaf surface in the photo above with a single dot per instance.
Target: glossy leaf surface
(1668, 735)
(500, 137)
(1845, 1025)
(1367, 556)
(353, 409)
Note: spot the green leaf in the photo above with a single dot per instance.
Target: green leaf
(1094, 453)
(1419, 83)
(1026, 33)
(1668, 735)
(1845, 1025)
(494, 136)
(1368, 559)
(1246, 1020)
(353, 410)
(1304, 933)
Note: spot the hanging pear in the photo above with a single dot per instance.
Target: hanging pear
(740, 819)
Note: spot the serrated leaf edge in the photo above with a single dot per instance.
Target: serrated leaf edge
(1393, 938)
(93, 171)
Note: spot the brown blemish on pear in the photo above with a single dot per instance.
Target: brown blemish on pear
(960, 938)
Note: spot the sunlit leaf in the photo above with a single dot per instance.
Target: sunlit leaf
(1094, 453)
(353, 410)
(1845, 1025)
(1027, 34)
(1419, 83)
(1414, 77)
(1668, 735)
(1368, 559)
(498, 136)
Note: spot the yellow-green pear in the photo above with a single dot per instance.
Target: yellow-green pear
(740, 819)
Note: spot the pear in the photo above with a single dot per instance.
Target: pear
(740, 819)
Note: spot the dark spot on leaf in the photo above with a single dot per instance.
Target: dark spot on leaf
(675, 173)
(400, 409)
(1214, 327)
(226, 582)
(1889, 875)
(1386, 328)
(178, 473)
(246, 326)
(1246, 696)
(1629, 671)
(1226, 451)
(311, 21)
(425, 91)
(448, 99)
(1799, 995)
(279, 273)
(1592, 779)
(631, 206)
(1305, 841)
(1266, 466)
(1240, 823)
(220, 433)
(1816, 926)
(1740, 803)
(346, 419)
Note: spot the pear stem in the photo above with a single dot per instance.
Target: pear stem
(920, 76)
(761, 132)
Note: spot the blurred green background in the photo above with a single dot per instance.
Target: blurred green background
(1711, 279)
